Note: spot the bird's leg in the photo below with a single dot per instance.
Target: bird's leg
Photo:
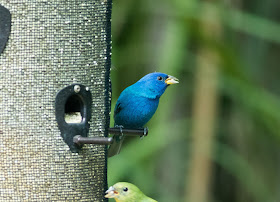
(121, 131)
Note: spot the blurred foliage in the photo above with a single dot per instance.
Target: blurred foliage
(164, 36)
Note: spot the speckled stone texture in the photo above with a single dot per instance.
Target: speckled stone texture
(53, 44)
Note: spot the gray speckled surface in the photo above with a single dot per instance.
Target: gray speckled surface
(53, 44)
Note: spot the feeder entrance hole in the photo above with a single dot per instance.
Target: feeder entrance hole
(74, 109)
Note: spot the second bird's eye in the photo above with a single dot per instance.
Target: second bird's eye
(125, 189)
(159, 78)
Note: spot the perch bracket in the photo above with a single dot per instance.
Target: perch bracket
(5, 27)
(73, 113)
(115, 142)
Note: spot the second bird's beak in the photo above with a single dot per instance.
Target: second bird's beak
(111, 192)
(171, 80)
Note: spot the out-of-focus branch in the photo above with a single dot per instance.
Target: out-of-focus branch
(204, 114)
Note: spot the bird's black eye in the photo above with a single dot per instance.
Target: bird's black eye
(159, 78)
(125, 189)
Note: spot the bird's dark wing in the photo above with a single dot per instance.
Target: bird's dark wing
(118, 140)
(118, 108)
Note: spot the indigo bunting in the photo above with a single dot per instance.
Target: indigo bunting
(127, 192)
(137, 104)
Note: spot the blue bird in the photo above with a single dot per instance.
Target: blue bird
(137, 103)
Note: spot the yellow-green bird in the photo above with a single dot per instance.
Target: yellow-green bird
(127, 192)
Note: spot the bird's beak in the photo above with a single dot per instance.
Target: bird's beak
(171, 80)
(111, 192)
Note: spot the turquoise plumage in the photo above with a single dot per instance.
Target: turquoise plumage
(137, 103)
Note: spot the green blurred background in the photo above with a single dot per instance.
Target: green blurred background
(216, 134)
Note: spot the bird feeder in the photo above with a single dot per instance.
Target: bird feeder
(54, 85)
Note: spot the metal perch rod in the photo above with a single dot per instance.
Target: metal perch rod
(80, 140)
(128, 132)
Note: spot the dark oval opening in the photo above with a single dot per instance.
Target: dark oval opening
(74, 109)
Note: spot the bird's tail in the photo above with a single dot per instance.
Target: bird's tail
(115, 147)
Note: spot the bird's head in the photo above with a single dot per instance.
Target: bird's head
(156, 83)
(122, 191)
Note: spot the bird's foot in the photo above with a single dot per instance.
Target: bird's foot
(121, 130)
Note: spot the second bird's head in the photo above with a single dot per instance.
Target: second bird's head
(156, 83)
